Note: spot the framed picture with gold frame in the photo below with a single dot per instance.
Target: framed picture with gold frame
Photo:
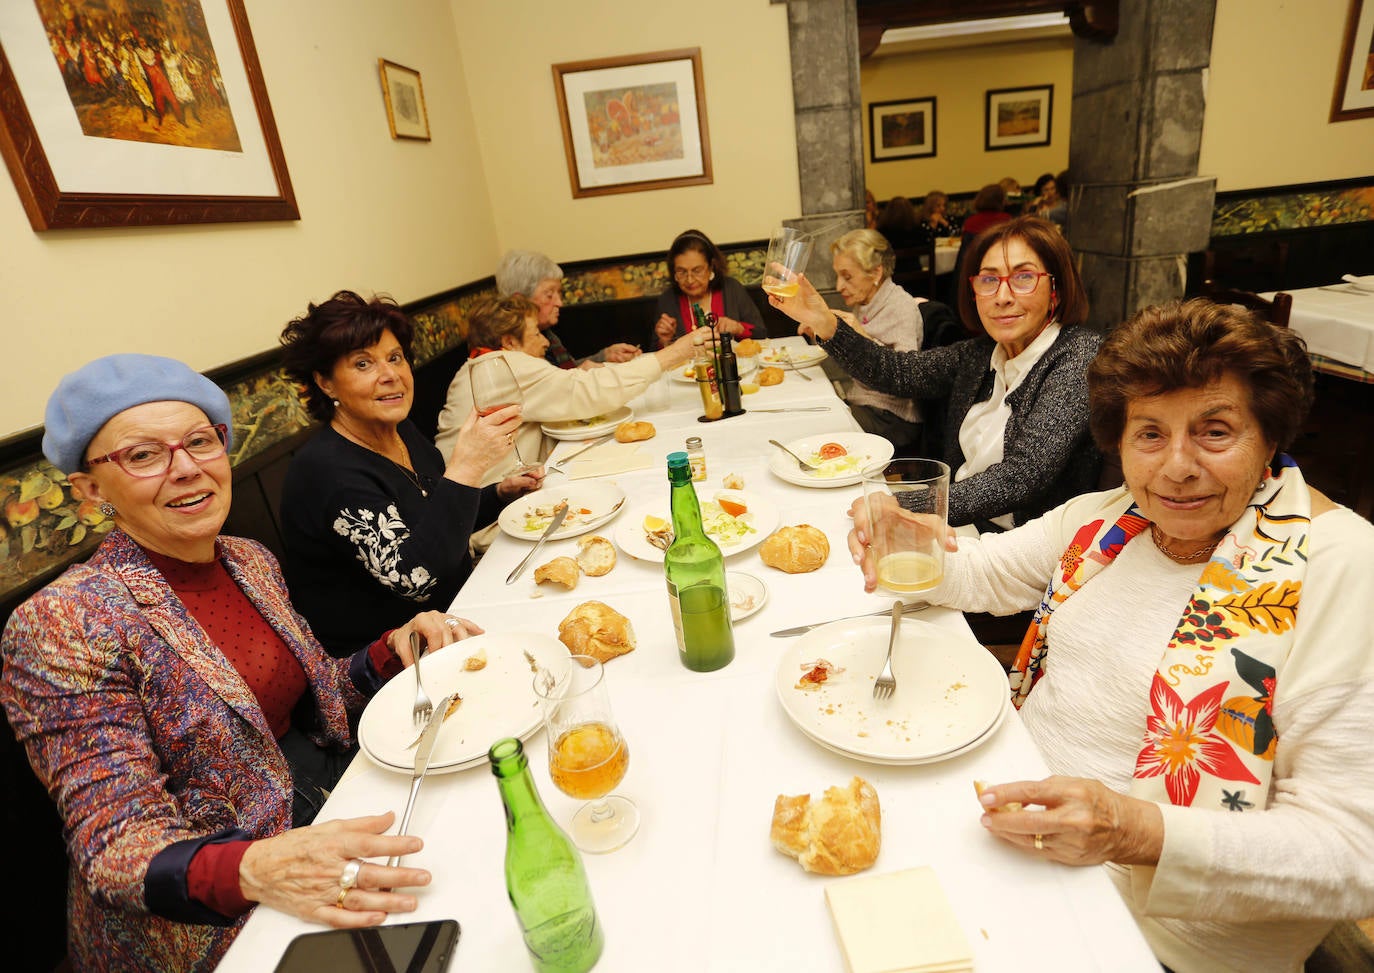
(405, 101)
(1017, 118)
(634, 123)
(138, 115)
(1354, 95)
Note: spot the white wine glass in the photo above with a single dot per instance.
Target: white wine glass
(494, 388)
(587, 754)
(788, 251)
(908, 541)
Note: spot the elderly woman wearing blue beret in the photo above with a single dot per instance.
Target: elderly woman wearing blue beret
(177, 708)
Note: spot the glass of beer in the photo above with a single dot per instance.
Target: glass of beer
(788, 251)
(587, 755)
(908, 517)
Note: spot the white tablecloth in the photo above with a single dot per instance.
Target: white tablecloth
(701, 887)
(1337, 323)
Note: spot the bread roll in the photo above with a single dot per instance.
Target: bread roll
(838, 835)
(595, 555)
(770, 376)
(596, 630)
(633, 432)
(561, 570)
(747, 348)
(795, 550)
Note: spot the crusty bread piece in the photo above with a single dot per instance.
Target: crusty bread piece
(595, 555)
(597, 630)
(795, 550)
(561, 570)
(634, 431)
(733, 481)
(747, 348)
(838, 835)
(770, 376)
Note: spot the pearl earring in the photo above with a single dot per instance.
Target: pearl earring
(107, 509)
(336, 402)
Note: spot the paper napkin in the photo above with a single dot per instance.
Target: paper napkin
(897, 922)
(609, 460)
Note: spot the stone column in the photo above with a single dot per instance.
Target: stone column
(1137, 203)
(824, 37)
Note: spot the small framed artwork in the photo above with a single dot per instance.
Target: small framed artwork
(1018, 117)
(405, 101)
(138, 114)
(634, 123)
(1354, 97)
(901, 129)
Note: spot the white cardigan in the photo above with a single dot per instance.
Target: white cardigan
(1256, 890)
(551, 394)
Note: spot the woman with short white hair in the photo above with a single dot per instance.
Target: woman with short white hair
(533, 275)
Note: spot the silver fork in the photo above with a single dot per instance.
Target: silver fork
(793, 366)
(805, 466)
(885, 685)
(423, 708)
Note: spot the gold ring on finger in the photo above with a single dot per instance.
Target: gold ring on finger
(1039, 842)
(343, 893)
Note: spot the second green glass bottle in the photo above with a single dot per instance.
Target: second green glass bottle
(696, 579)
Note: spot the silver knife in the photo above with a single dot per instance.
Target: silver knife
(784, 633)
(558, 464)
(423, 751)
(809, 408)
(548, 531)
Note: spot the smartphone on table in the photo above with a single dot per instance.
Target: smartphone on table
(409, 947)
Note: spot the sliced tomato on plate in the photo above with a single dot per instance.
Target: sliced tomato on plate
(832, 451)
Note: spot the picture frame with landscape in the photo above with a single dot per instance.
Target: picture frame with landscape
(634, 123)
(404, 95)
(138, 115)
(1018, 118)
(903, 129)
(1354, 94)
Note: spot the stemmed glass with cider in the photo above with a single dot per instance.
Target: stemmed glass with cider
(587, 754)
(908, 516)
(788, 251)
(494, 387)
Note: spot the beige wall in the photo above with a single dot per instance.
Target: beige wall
(376, 214)
(1273, 71)
(959, 80)
(507, 50)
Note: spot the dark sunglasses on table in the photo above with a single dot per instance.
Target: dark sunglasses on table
(1021, 282)
(154, 459)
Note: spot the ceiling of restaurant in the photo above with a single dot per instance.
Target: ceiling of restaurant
(1088, 18)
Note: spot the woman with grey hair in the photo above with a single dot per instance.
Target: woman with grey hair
(533, 275)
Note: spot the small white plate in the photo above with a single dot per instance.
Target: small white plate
(866, 449)
(498, 701)
(762, 515)
(950, 691)
(787, 355)
(687, 373)
(747, 594)
(601, 499)
(576, 429)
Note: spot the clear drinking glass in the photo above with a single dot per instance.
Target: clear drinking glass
(494, 387)
(588, 756)
(908, 537)
(788, 251)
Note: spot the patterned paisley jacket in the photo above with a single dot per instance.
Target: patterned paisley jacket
(151, 744)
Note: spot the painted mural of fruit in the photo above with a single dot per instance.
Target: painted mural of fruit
(53, 498)
(34, 485)
(88, 512)
(21, 512)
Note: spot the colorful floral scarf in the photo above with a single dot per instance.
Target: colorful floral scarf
(1210, 728)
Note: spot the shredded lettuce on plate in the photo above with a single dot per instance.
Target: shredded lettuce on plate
(839, 466)
(724, 529)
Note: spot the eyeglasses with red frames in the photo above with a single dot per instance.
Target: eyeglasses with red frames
(153, 459)
(1020, 282)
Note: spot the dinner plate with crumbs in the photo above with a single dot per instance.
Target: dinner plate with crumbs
(590, 504)
(589, 428)
(839, 457)
(494, 675)
(802, 357)
(737, 520)
(950, 690)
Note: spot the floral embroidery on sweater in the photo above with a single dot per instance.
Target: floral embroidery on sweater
(377, 539)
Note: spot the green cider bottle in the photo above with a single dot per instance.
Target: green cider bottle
(544, 875)
(696, 579)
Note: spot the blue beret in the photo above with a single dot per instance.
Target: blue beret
(94, 394)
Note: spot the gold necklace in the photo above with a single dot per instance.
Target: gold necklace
(405, 465)
(1201, 554)
(408, 468)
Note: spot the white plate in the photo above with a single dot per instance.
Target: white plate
(498, 701)
(601, 498)
(686, 374)
(937, 758)
(576, 429)
(762, 515)
(871, 449)
(950, 691)
(747, 594)
(787, 355)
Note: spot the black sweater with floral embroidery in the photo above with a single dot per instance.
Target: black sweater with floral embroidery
(366, 547)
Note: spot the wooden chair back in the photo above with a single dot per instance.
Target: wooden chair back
(1276, 311)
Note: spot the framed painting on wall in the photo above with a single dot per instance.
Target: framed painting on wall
(405, 101)
(1018, 117)
(635, 123)
(146, 112)
(1354, 97)
(901, 129)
